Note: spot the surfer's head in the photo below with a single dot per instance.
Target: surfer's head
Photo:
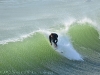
(51, 35)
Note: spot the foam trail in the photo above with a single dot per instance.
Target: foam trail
(66, 49)
(21, 38)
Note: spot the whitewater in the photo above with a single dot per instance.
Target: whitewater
(25, 27)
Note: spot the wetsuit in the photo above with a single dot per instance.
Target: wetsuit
(53, 37)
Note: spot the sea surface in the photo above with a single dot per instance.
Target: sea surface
(25, 26)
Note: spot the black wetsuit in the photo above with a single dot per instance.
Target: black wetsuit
(53, 38)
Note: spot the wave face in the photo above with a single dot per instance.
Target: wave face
(24, 45)
(35, 55)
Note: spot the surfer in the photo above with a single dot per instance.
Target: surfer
(53, 37)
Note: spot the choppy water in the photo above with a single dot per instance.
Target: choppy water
(24, 29)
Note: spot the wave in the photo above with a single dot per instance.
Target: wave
(32, 53)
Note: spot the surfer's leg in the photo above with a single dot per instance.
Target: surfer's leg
(55, 43)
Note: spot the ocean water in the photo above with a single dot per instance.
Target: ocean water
(24, 29)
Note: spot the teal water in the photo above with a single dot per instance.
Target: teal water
(24, 45)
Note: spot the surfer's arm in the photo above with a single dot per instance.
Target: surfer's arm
(57, 40)
(50, 39)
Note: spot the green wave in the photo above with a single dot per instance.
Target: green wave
(85, 39)
(33, 53)
(35, 56)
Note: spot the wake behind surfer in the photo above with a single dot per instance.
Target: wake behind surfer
(53, 37)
